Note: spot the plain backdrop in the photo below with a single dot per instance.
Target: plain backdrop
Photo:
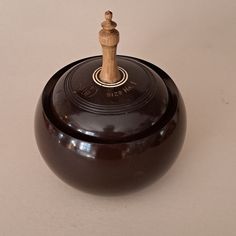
(195, 42)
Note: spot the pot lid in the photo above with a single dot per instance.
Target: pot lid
(109, 97)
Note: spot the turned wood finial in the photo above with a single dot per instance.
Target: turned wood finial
(109, 38)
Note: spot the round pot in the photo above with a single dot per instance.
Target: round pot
(110, 165)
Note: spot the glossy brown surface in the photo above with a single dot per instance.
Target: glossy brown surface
(110, 113)
(110, 167)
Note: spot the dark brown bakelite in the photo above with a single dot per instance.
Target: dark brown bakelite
(110, 137)
(109, 114)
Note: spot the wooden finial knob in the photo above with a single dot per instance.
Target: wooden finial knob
(108, 15)
(109, 38)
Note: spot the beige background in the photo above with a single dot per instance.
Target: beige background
(195, 42)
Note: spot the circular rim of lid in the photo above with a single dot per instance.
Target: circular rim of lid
(170, 110)
(90, 109)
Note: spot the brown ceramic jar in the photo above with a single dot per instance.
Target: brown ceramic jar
(110, 124)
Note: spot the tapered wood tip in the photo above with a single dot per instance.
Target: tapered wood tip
(108, 15)
(109, 38)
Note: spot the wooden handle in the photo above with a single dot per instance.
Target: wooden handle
(109, 38)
